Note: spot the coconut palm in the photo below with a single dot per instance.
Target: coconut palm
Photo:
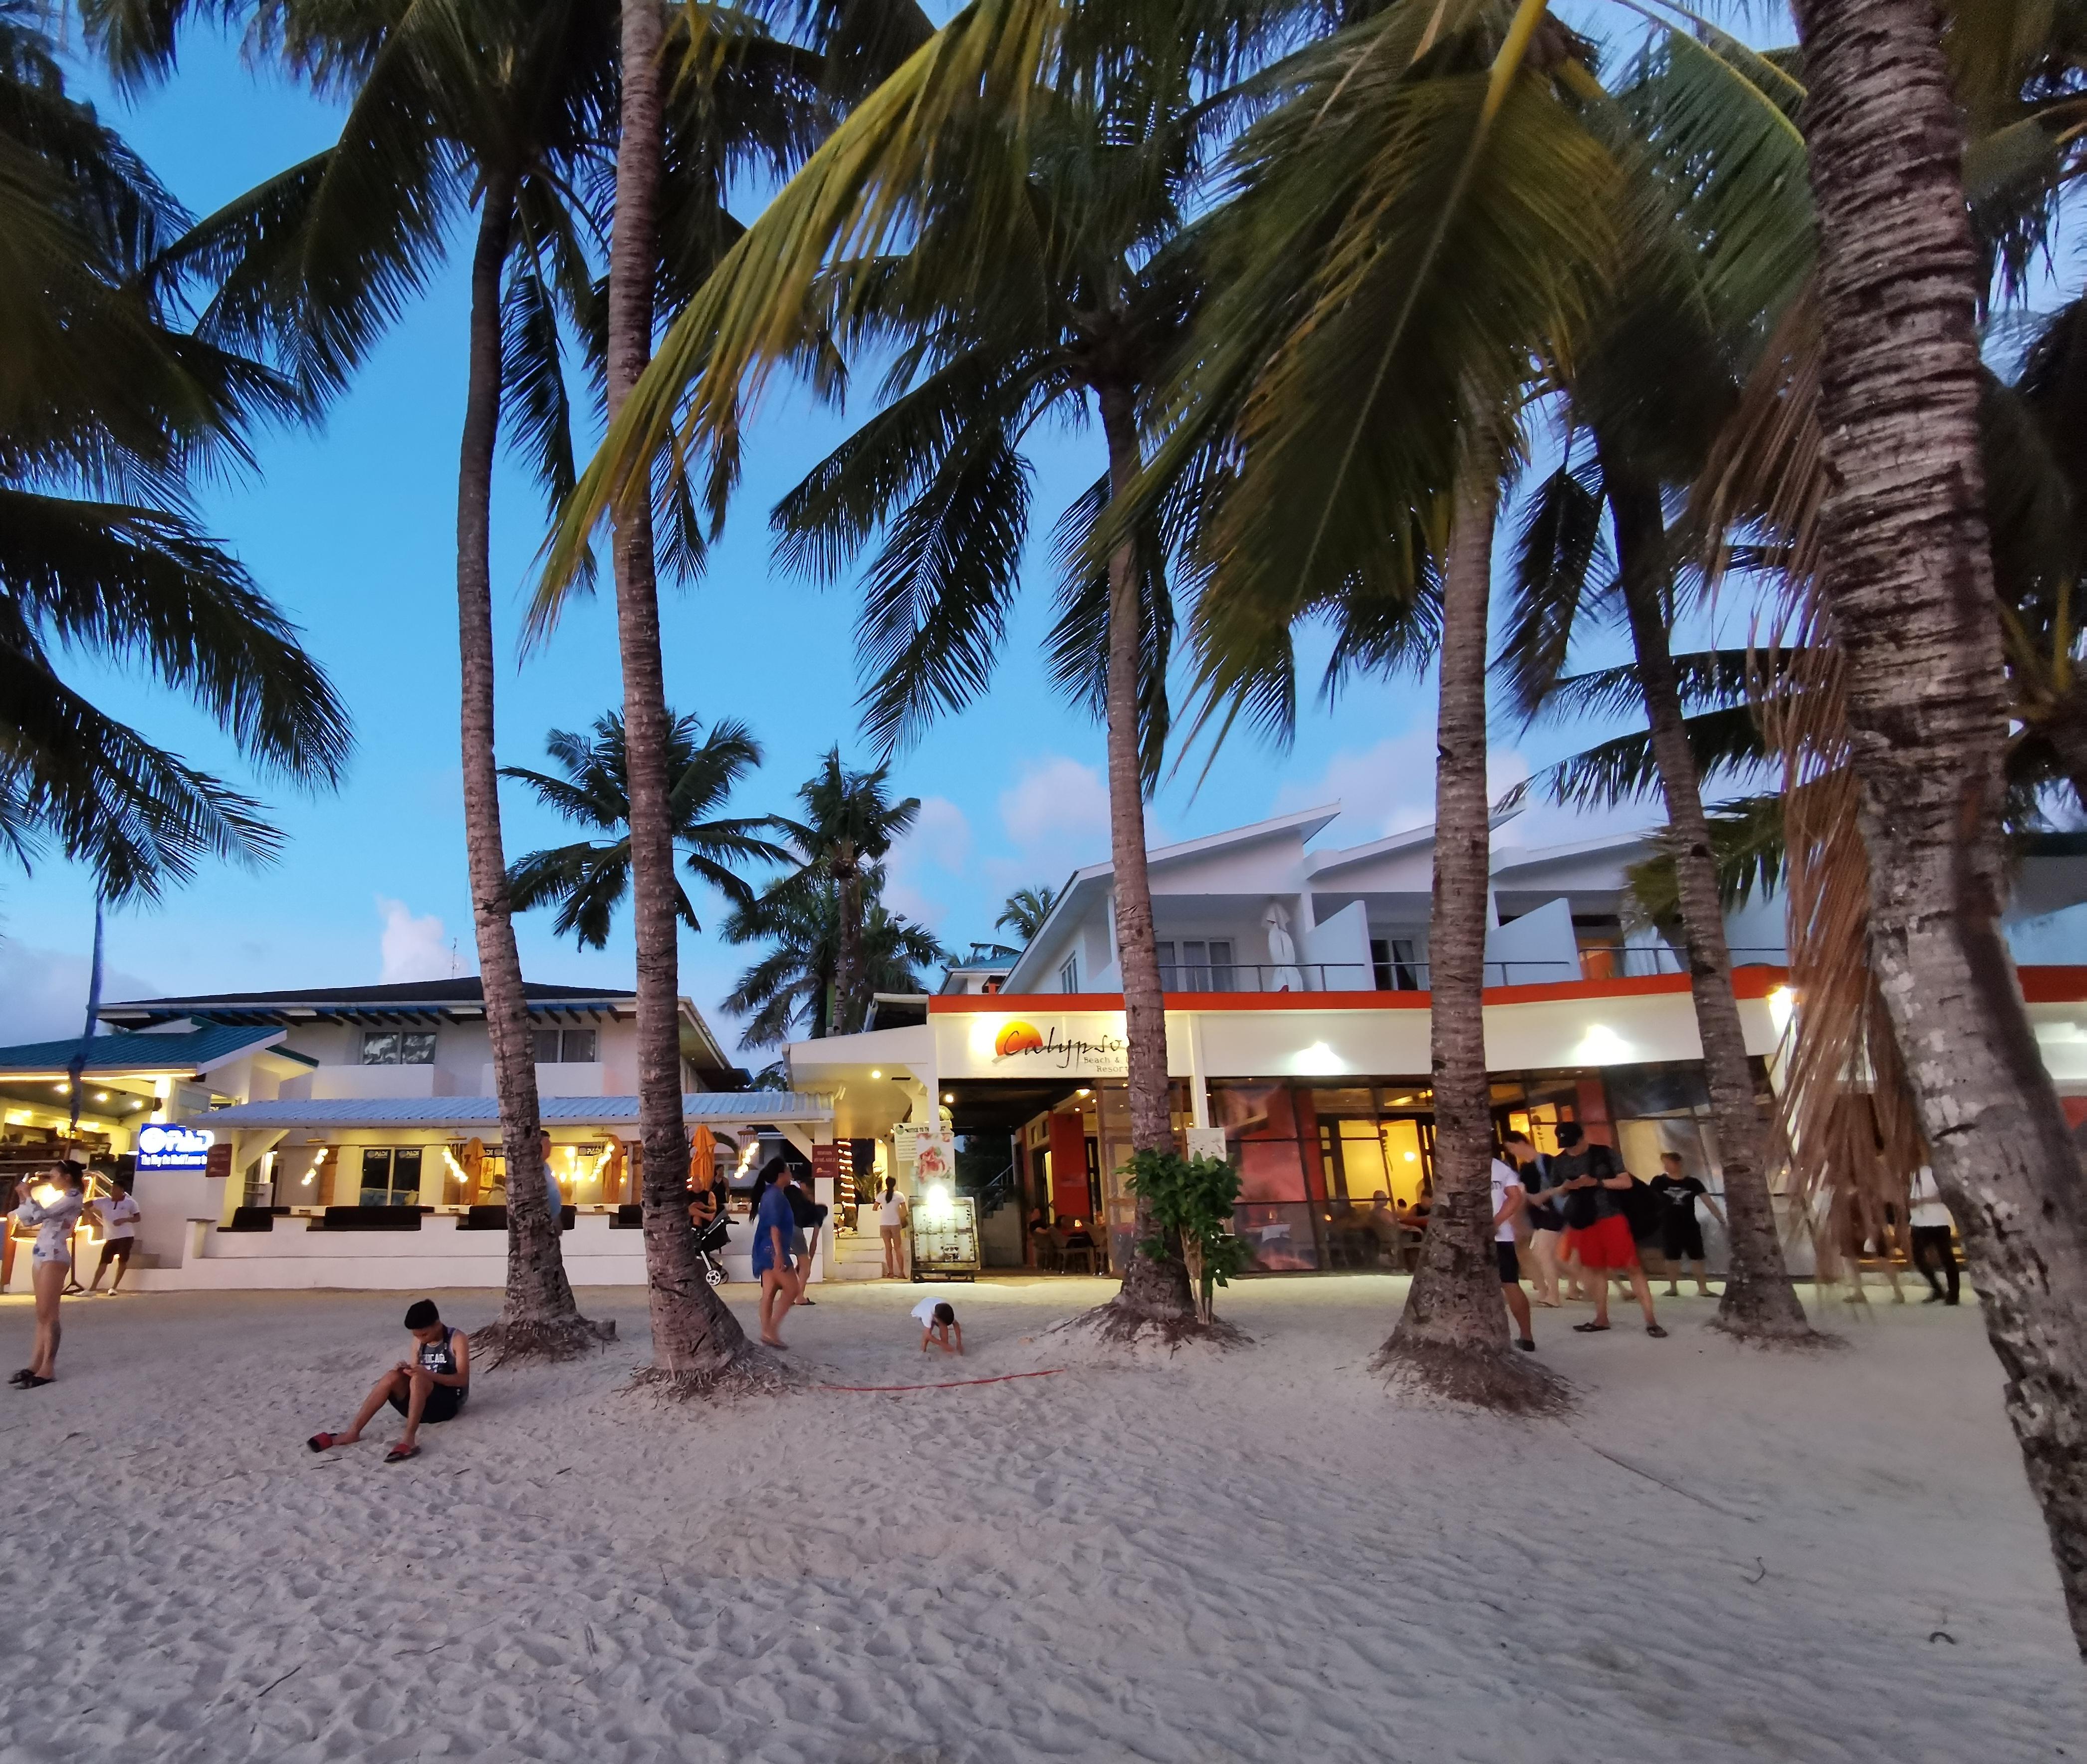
(1025, 911)
(1395, 256)
(850, 822)
(794, 986)
(450, 106)
(587, 881)
(1648, 391)
(1905, 571)
(107, 411)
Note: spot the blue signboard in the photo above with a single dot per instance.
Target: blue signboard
(174, 1148)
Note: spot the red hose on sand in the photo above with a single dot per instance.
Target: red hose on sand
(953, 1384)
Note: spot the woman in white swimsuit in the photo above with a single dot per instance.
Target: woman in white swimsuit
(52, 1203)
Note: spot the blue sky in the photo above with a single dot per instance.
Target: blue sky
(352, 529)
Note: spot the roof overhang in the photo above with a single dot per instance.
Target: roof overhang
(713, 1108)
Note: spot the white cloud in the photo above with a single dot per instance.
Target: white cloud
(415, 948)
(938, 846)
(1056, 812)
(43, 992)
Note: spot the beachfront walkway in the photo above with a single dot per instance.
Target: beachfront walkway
(1720, 1556)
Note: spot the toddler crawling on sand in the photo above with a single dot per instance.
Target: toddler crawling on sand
(939, 1327)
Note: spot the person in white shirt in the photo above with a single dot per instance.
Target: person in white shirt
(51, 1201)
(552, 1192)
(119, 1217)
(891, 1228)
(1509, 1198)
(1932, 1241)
(939, 1327)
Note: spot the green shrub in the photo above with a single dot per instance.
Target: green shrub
(1191, 1200)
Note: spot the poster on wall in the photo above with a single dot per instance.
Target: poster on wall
(1207, 1143)
(935, 1157)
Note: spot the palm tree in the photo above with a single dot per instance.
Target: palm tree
(1422, 211)
(1053, 144)
(1025, 911)
(1651, 389)
(1905, 569)
(793, 986)
(850, 823)
(497, 105)
(101, 397)
(587, 880)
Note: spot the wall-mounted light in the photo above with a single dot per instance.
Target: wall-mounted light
(877, 1074)
(948, 1097)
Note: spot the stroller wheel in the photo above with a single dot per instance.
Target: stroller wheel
(715, 1276)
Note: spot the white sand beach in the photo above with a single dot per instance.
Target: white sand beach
(1719, 1556)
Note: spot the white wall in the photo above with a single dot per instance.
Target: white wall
(1539, 947)
(1344, 938)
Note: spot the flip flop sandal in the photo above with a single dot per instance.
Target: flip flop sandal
(1654, 1330)
(399, 1454)
(22, 1376)
(32, 1382)
(322, 1442)
(1527, 1345)
(1590, 1328)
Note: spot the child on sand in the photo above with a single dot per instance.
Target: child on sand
(939, 1327)
(430, 1387)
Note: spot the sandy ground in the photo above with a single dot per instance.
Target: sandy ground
(1718, 1557)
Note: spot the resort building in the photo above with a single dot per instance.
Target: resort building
(351, 1136)
(1296, 976)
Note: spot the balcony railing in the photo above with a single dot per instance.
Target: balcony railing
(1602, 962)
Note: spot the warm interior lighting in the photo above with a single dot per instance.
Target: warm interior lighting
(1083, 1093)
(877, 1074)
(61, 1086)
(101, 1096)
(947, 1097)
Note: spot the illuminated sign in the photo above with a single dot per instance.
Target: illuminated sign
(1024, 1044)
(175, 1148)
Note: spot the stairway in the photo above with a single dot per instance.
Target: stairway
(857, 1256)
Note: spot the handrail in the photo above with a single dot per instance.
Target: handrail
(1596, 961)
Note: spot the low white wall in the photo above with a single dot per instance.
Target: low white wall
(293, 1257)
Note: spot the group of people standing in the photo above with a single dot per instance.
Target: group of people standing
(51, 1202)
(1574, 1208)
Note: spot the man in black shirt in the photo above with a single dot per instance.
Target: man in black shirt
(1596, 1231)
(1680, 1232)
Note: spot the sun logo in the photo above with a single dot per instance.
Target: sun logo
(1017, 1037)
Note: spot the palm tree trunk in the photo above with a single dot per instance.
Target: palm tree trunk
(1154, 1290)
(1760, 1301)
(539, 1316)
(847, 965)
(1906, 576)
(693, 1332)
(1452, 1337)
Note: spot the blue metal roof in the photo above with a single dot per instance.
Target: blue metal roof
(189, 1050)
(743, 1109)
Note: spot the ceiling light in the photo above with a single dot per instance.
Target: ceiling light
(947, 1097)
(62, 1085)
(1083, 1093)
(877, 1074)
(101, 1096)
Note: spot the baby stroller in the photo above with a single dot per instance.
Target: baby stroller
(710, 1241)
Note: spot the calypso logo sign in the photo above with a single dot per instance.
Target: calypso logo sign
(174, 1148)
(1019, 1040)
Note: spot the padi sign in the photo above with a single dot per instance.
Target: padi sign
(175, 1148)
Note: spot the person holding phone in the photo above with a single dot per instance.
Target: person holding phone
(51, 1201)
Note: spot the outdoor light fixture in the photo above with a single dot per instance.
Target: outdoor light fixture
(61, 1086)
(947, 1097)
(1083, 1093)
(877, 1074)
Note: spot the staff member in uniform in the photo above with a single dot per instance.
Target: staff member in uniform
(119, 1216)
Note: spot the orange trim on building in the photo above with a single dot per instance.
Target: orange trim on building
(2054, 985)
(1747, 983)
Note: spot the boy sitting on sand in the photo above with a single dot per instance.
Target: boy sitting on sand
(939, 1327)
(430, 1387)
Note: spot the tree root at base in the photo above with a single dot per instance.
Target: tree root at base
(1117, 1325)
(747, 1371)
(1500, 1381)
(525, 1339)
(1798, 1337)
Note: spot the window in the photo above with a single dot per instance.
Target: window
(390, 1176)
(1069, 975)
(390, 1046)
(1198, 965)
(1396, 971)
(569, 1046)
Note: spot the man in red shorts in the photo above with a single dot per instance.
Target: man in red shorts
(1596, 1230)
